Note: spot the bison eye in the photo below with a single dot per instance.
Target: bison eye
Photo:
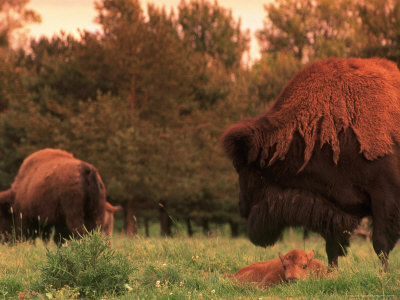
(304, 266)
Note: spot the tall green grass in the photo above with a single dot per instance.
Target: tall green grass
(184, 268)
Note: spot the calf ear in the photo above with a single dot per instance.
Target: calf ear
(282, 257)
(240, 143)
(310, 255)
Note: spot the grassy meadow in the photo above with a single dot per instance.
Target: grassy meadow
(192, 268)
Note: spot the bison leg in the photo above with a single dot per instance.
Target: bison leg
(381, 247)
(72, 226)
(332, 247)
(386, 222)
(335, 247)
(383, 243)
(61, 233)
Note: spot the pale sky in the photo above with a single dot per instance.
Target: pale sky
(71, 15)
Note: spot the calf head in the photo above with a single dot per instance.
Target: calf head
(296, 264)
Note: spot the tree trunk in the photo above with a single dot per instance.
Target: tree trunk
(206, 227)
(129, 219)
(165, 220)
(189, 227)
(234, 229)
(306, 234)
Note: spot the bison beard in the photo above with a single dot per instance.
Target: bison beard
(291, 207)
(325, 155)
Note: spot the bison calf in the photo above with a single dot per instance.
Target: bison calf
(295, 265)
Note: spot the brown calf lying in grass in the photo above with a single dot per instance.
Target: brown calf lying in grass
(295, 265)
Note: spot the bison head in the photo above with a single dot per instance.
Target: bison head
(242, 148)
(242, 143)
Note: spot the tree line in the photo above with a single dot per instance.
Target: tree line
(146, 98)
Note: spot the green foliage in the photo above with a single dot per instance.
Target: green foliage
(215, 45)
(55, 64)
(11, 88)
(10, 286)
(381, 25)
(88, 265)
(210, 29)
(272, 72)
(307, 29)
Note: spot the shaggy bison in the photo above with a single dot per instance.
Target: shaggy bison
(324, 156)
(54, 189)
(295, 265)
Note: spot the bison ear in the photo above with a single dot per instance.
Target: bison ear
(310, 255)
(112, 208)
(240, 143)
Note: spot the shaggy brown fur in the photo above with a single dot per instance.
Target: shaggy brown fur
(52, 188)
(332, 135)
(333, 95)
(295, 265)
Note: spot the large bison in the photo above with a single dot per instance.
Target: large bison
(324, 156)
(54, 189)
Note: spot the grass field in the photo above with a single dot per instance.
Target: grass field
(192, 268)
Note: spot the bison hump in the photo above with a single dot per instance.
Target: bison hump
(332, 95)
(38, 164)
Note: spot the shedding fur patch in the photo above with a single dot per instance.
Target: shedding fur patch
(330, 96)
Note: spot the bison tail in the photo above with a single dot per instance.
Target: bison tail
(94, 192)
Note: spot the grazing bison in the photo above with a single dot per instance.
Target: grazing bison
(54, 189)
(295, 265)
(324, 156)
